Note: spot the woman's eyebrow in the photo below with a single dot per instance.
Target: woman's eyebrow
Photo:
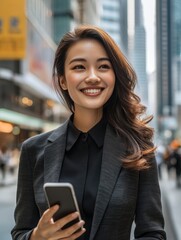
(77, 60)
(84, 60)
(103, 59)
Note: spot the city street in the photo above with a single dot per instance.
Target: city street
(171, 235)
(7, 203)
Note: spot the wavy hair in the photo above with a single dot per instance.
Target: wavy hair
(124, 110)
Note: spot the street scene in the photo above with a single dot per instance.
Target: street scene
(92, 81)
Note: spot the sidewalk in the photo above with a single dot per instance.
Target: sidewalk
(172, 196)
(10, 179)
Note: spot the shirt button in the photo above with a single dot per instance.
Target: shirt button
(84, 137)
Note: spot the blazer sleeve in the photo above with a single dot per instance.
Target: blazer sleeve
(26, 212)
(149, 218)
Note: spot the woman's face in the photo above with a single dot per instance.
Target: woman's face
(89, 76)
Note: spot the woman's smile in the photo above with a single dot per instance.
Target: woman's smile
(92, 92)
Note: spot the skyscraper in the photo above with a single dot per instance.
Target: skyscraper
(165, 65)
(137, 49)
(110, 18)
(176, 60)
(67, 14)
(124, 26)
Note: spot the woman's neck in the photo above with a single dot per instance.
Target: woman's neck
(86, 120)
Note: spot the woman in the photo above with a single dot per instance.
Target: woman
(105, 150)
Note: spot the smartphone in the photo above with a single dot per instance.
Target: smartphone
(62, 194)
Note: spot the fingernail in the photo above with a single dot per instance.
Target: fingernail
(56, 206)
(81, 223)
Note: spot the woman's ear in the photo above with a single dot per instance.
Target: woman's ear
(63, 83)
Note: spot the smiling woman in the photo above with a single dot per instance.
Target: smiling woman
(104, 150)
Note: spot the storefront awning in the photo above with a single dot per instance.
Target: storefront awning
(24, 120)
(32, 83)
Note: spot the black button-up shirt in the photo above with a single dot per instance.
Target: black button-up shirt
(81, 167)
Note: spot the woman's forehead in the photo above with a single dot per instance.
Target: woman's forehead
(86, 48)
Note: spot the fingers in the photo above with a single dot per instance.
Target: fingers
(63, 221)
(44, 225)
(75, 235)
(54, 229)
(48, 214)
(72, 232)
(48, 229)
(42, 229)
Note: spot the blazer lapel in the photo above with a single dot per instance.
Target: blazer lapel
(54, 153)
(48, 167)
(111, 167)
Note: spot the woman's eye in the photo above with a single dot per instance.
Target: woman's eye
(77, 67)
(104, 66)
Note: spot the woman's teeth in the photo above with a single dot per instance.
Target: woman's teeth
(91, 91)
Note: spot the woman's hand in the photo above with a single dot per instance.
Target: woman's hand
(47, 229)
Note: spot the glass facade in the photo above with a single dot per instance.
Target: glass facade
(176, 43)
(63, 18)
(40, 55)
(110, 18)
(176, 60)
(40, 12)
(169, 66)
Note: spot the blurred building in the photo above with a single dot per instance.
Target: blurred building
(110, 18)
(123, 20)
(29, 34)
(66, 15)
(176, 60)
(124, 40)
(139, 52)
(133, 42)
(169, 67)
(28, 104)
(90, 11)
(69, 13)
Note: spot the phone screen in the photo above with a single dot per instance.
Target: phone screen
(62, 194)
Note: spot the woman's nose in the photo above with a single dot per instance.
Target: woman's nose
(92, 76)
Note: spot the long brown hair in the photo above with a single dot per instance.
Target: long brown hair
(124, 110)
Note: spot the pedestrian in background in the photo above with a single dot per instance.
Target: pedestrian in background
(14, 161)
(160, 158)
(4, 161)
(176, 158)
(104, 150)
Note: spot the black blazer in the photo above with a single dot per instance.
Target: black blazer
(123, 195)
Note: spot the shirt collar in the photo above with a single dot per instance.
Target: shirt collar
(72, 134)
(97, 133)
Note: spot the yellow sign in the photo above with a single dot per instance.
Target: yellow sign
(12, 29)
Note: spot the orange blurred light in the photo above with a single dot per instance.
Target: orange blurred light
(50, 103)
(6, 127)
(27, 101)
